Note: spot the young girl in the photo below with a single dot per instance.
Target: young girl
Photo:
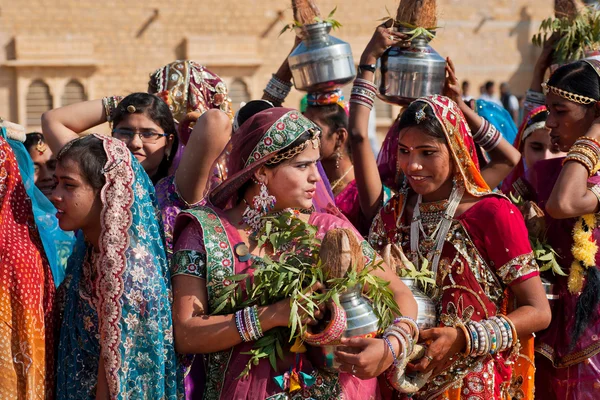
(116, 338)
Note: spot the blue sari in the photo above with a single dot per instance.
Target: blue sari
(117, 300)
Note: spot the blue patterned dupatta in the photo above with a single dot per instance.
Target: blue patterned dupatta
(117, 300)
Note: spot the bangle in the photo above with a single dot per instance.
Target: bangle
(391, 350)
(110, 104)
(410, 322)
(239, 323)
(463, 328)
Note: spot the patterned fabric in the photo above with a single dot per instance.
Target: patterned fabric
(117, 300)
(171, 204)
(206, 230)
(283, 133)
(189, 262)
(486, 250)
(58, 244)
(187, 86)
(26, 292)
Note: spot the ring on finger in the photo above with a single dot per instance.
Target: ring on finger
(429, 358)
(353, 369)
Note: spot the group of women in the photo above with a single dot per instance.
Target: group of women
(165, 213)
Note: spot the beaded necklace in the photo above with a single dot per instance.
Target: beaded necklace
(433, 243)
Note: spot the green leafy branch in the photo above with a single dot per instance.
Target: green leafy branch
(296, 268)
(576, 35)
(335, 24)
(544, 254)
(423, 275)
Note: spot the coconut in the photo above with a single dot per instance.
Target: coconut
(340, 251)
(419, 13)
(305, 11)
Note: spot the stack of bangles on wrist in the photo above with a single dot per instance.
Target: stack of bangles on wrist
(110, 104)
(488, 137)
(488, 336)
(407, 339)
(585, 151)
(248, 325)
(363, 93)
(277, 90)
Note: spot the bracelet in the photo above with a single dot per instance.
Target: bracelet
(391, 350)
(535, 97)
(239, 323)
(404, 348)
(412, 323)
(463, 328)
(110, 104)
(488, 137)
(581, 159)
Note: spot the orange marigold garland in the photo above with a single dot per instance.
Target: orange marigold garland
(584, 251)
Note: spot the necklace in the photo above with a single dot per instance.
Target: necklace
(434, 241)
(337, 182)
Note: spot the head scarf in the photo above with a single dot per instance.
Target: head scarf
(26, 292)
(57, 243)
(499, 117)
(526, 129)
(188, 87)
(459, 140)
(117, 301)
(257, 141)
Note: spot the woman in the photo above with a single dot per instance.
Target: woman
(371, 175)
(533, 141)
(278, 148)
(43, 162)
(476, 246)
(567, 190)
(336, 158)
(26, 293)
(116, 338)
(141, 120)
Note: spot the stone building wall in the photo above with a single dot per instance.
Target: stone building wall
(111, 46)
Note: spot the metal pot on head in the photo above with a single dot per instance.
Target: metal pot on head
(321, 62)
(405, 74)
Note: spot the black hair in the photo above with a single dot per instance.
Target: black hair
(578, 78)
(88, 152)
(587, 304)
(465, 83)
(158, 111)
(430, 124)
(489, 85)
(335, 117)
(251, 108)
(32, 139)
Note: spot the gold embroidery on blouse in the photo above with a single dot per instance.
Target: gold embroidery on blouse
(518, 267)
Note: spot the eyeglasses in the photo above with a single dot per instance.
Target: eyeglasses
(126, 135)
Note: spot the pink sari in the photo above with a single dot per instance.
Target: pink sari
(196, 255)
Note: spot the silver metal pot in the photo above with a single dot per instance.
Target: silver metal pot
(361, 320)
(427, 315)
(405, 74)
(550, 289)
(321, 62)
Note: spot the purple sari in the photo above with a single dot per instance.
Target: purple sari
(567, 373)
(211, 259)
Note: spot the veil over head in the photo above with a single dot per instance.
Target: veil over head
(459, 140)
(256, 142)
(117, 300)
